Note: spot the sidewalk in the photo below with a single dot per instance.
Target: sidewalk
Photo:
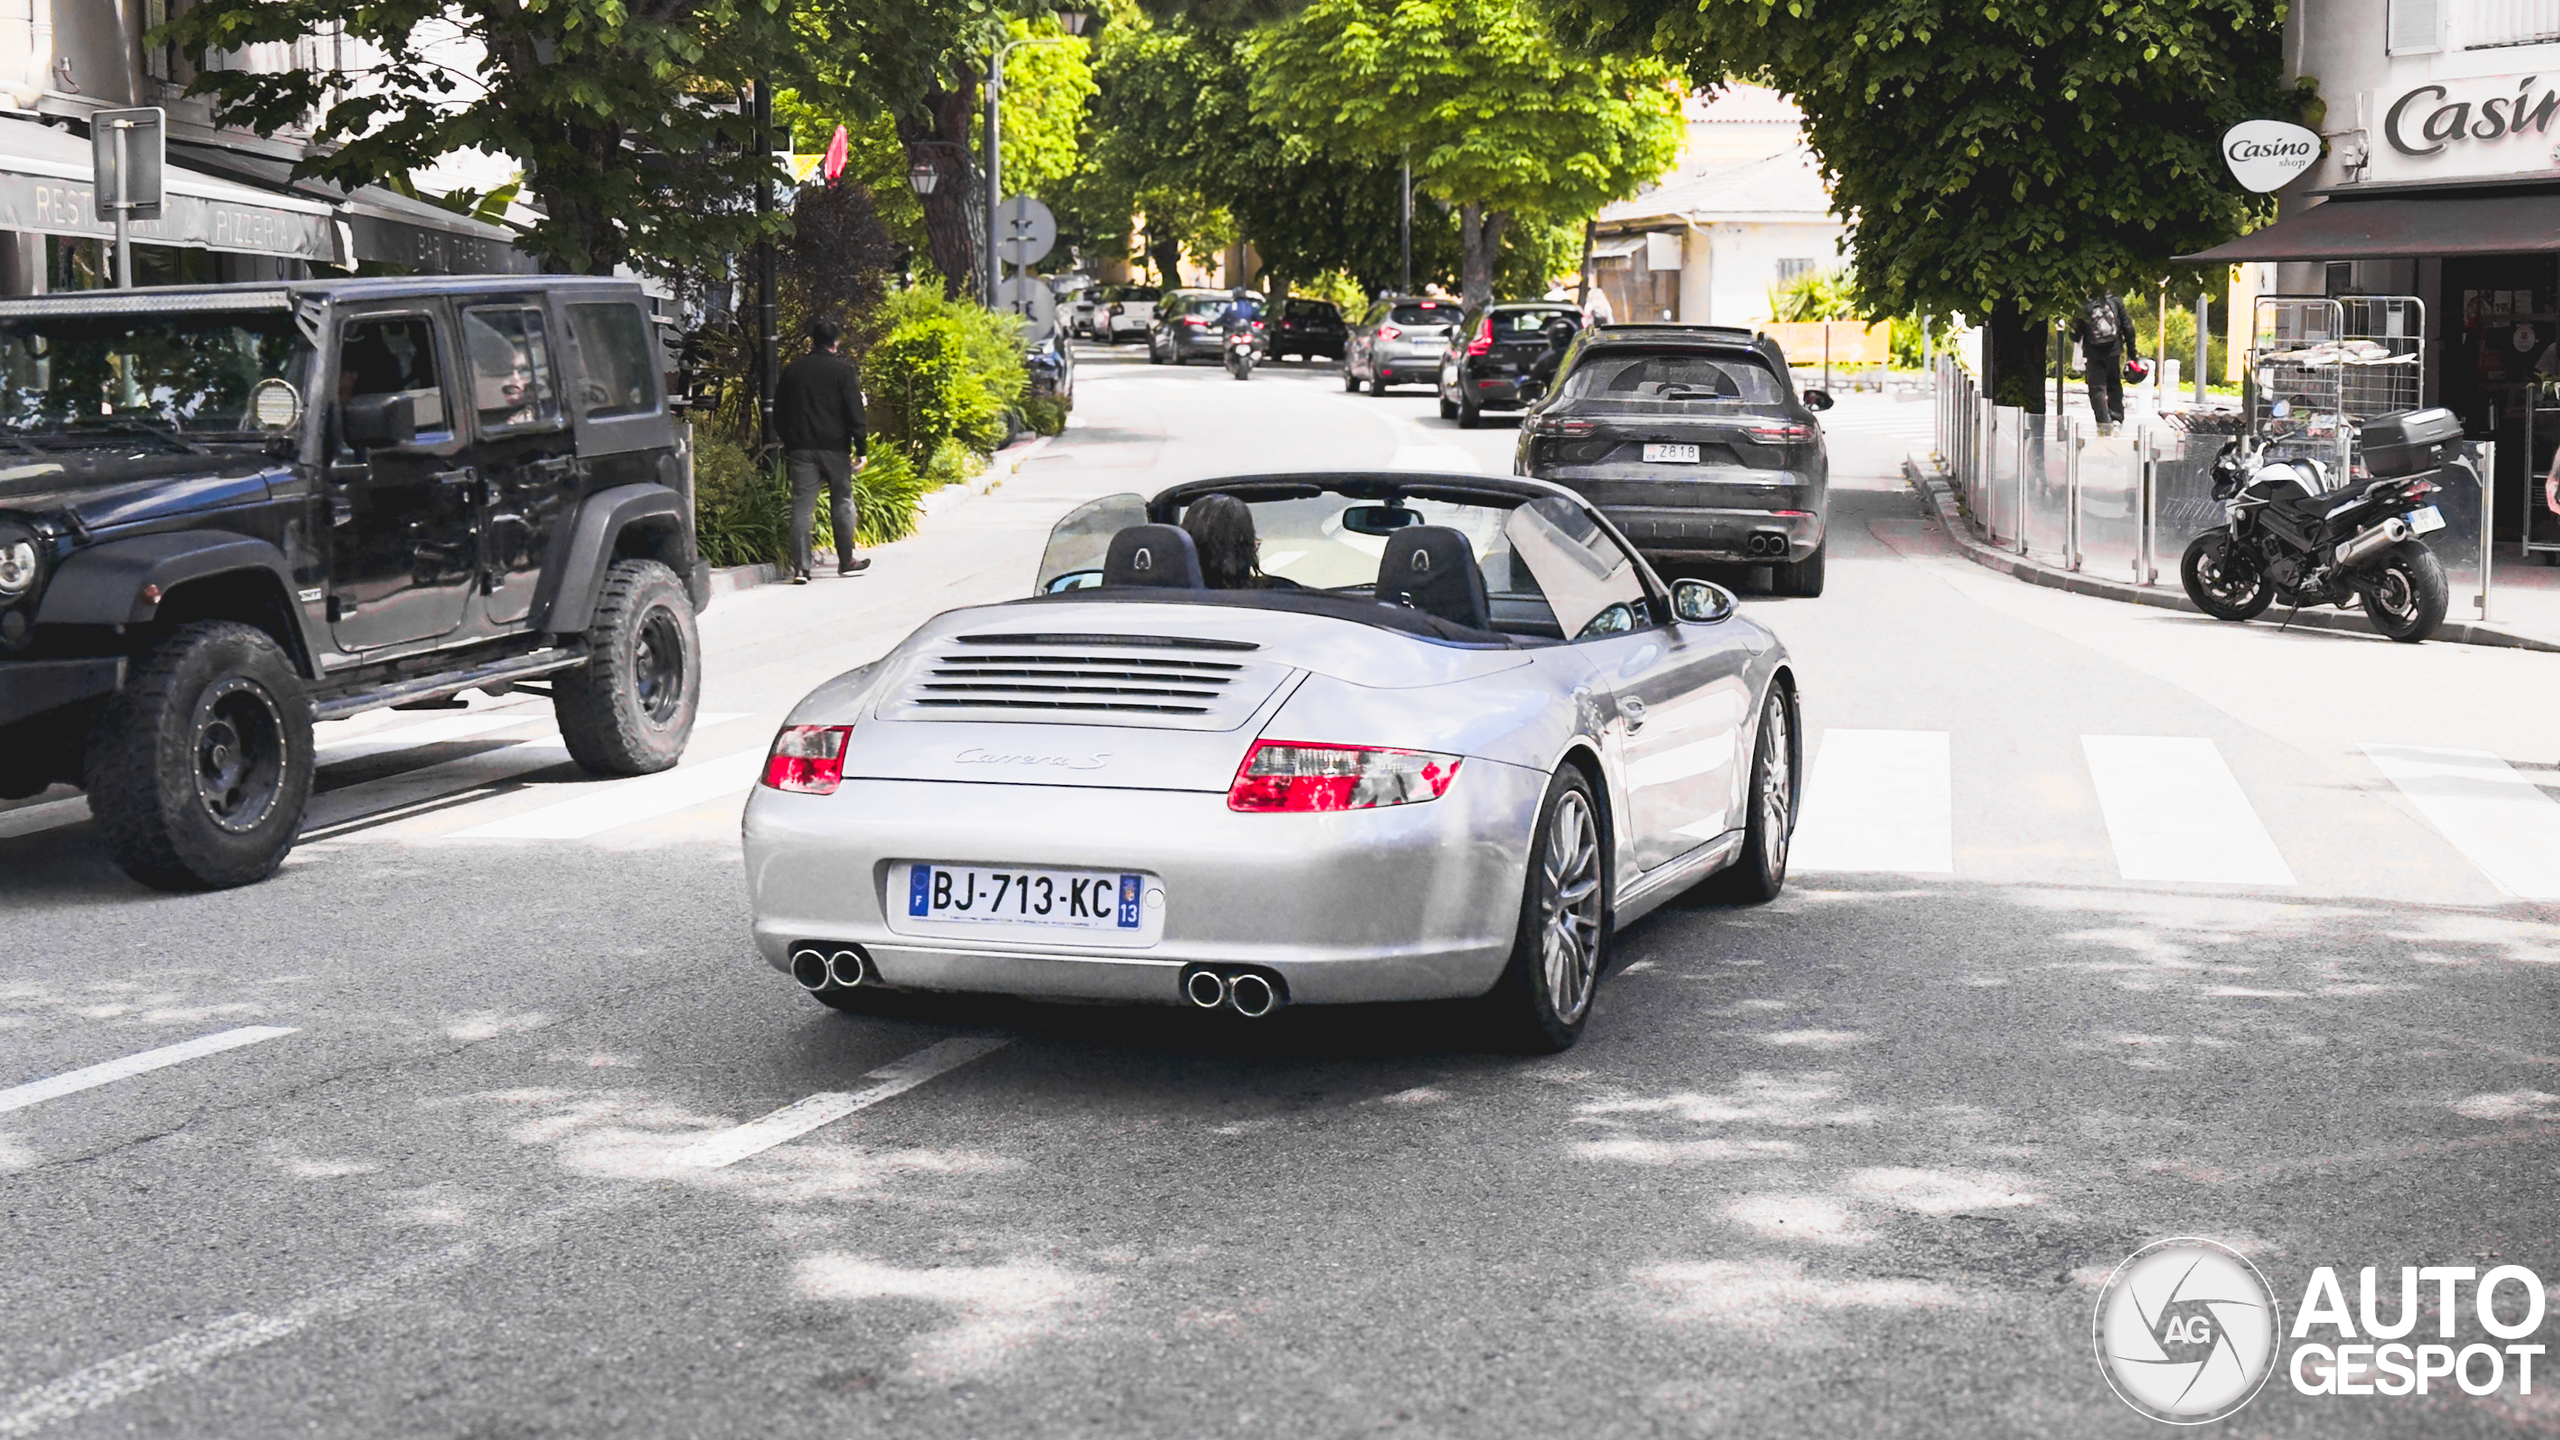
(2523, 598)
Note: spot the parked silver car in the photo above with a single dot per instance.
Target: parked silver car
(1398, 342)
(1126, 310)
(1447, 737)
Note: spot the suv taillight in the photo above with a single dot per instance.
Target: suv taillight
(1389, 332)
(1778, 433)
(808, 759)
(1281, 775)
(1484, 338)
(1542, 425)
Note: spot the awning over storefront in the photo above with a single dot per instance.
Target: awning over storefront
(46, 186)
(2392, 227)
(382, 225)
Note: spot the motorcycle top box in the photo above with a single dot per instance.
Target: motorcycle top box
(2411, 442)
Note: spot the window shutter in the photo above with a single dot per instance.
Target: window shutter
(2416, 27)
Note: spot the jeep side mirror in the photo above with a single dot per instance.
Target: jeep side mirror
(369, 421)
(1700, 602)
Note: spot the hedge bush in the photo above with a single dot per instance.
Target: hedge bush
(743, 513)
(942, 371)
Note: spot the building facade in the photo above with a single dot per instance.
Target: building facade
(232, 211)
(2440, 179)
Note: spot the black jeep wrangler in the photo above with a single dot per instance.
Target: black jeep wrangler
(227, 512)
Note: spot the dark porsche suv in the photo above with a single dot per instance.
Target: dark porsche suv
(1693, 439)
(1490, 354)
(231, 511)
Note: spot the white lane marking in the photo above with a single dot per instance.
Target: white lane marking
(537, 751)
(2501, 821)
(90, 1077)
(1879, 800)
(1433, 457)
(2176, 812)
(621, 802)
(827, 1106)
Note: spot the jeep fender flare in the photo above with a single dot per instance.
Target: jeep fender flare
(113, 583)
(596, 542)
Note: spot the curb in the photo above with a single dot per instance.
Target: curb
(1939, 490)
(735, 578)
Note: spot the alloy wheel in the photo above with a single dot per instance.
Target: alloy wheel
(1776, 788)
(1570, 933)
(2392, 595)
(2232, 584)
(240, 754)
(657, 666)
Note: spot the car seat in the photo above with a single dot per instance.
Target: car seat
(1156, 555)
(1433, 569)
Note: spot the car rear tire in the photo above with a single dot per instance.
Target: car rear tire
(199, 769)
(1803, 578)
(629, 710)
(1470, 417)
(1448, 407)
(1350, 382)
(1378, 383)
(1561, 949)
(1757, 875)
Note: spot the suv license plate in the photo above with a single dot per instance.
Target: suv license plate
(1107, 900)
(1671, 454)
(2424, 519)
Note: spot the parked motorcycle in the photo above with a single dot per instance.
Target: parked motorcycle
(1240, 352)
(2291, 538)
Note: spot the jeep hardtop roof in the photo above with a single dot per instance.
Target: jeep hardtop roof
(285, 295)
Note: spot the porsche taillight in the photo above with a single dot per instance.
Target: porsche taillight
(1775, 432)
(1484, 338)
(1283, 775)
(808, 759)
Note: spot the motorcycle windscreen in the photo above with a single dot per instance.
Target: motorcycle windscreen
(1078, 543)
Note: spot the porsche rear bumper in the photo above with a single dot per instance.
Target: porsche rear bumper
(1414, 902)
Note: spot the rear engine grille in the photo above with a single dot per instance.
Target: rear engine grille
(1146, 684)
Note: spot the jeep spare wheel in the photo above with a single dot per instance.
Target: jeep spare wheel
(199, 770)
(629, 709)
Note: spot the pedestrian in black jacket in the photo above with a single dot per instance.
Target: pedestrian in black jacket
(817, 413)
(2104, 333)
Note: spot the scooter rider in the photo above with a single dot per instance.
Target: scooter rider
(1241, 310)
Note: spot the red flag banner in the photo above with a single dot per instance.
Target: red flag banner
(839, 150)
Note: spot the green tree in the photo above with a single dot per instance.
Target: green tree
(624, 116)
(1046, 87)
(1496, 117)
(2003, 159)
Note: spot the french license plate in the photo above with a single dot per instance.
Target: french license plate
(2424, 519)
(1111, 901)
(1671, 454)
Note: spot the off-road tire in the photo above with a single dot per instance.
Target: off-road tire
(2215, 590)
(1528, 1007)
(1801, 579)
(2405, 594)
(630, 708)
(199, 769)
(1757, 874)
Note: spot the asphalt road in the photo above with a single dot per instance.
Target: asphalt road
(2108, 926)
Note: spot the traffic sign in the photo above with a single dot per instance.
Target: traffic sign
(128, 149)
(1030, 297)
(1025, 231)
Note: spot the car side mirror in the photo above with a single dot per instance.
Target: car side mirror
(369, 421)
(1532, 391)
(1702, 603)
(1817, 399)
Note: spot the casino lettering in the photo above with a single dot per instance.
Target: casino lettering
(2451, 122)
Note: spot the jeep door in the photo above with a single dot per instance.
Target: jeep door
(404, 519)
(617, 389)
(522, 448)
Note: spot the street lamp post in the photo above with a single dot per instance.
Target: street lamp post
(1074, 21)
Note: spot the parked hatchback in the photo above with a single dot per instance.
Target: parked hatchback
(1126, 310)
(1398, 342)
(1490, 353)
(1694, 440)
(1312, 328)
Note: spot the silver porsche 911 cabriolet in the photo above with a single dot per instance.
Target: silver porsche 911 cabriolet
(1285, 739)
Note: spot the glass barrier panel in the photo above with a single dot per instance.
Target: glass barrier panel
(2111, 505)
(2000, 476)
(2463, 500)
(2183, 506)
(2046, 525)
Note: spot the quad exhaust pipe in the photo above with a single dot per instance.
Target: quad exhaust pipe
(2381, 537)
(839, 967)
(1762, 545)
(1249, 993)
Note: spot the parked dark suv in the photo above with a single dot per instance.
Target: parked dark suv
(1693, 439)
(1312, 328)
(231, 511)
(1490, 353)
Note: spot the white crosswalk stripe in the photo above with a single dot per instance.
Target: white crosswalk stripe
(625, 802)
(2175, 812)
(2500, 821)
(1878, 800)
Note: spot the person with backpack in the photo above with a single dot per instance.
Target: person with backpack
(2104, 333)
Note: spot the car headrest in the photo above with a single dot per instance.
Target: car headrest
(1160, 555)
(1433, 569)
